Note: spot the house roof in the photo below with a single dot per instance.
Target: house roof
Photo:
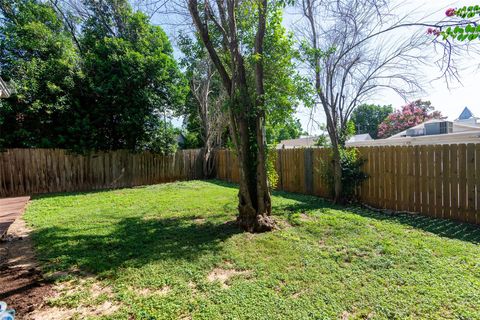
(457, 127)
(360, 137)
(472, 136)
(466, 114)
(418, 126)
(298, 143)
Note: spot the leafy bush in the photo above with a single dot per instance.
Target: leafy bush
(352, 174)
(272, 174)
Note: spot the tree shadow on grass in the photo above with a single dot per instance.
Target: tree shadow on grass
(136, 241)
(442, 227)
(305, 203)
(133, 243)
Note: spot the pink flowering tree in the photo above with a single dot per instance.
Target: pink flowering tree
(411, 114)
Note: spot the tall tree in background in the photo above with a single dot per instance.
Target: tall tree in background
(411, 114)
(40, 57)
(248, 32)
(164, 139)
(93, 75)
(130, 78)
(367, 118)
(349, 59)
(205, 112)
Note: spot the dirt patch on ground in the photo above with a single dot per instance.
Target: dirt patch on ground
(304, 217)
(223, 275)
(98, 300)
(283, 224)
(105, 309)
(298, 294)
(199, 220)
(145, 292)
(22, 286)
(353, 315)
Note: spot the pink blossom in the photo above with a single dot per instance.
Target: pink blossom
(408, 116)
(450, 12)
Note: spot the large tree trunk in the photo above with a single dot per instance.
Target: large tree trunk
(254, 206)
(246, 114)
(208, 162)
(336, 160)
(337, 175)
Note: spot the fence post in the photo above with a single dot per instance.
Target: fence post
(308, 171)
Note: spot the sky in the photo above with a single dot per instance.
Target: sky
(450, 100)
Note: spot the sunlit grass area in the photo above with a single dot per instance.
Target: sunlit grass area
(171, 251)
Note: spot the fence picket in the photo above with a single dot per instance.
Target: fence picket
(477, 182)
(470, 167)
(462, 177)
(455, 211)
(438, 177)
(446, 180)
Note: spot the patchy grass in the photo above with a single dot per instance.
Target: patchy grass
(169, 252)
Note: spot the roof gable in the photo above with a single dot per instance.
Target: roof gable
(466, 114)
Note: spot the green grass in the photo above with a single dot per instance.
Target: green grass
(323, 263)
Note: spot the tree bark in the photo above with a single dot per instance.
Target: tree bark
(337, 175)
(246, 114)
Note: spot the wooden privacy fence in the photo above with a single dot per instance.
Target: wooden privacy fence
(298, 170)
(33, 171)
(440, 181)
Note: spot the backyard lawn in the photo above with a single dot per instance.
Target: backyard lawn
(171, 251)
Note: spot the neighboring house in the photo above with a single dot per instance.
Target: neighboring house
(360, 138)
(302, 142)
(5, 90)
(310, 141)
(464, 129)
(467, 117)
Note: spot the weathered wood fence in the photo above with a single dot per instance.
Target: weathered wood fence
(440, 181)
(34, 171)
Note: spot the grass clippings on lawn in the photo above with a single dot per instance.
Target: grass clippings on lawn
(171, 252)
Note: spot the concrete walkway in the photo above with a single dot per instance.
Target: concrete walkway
(10, 210)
